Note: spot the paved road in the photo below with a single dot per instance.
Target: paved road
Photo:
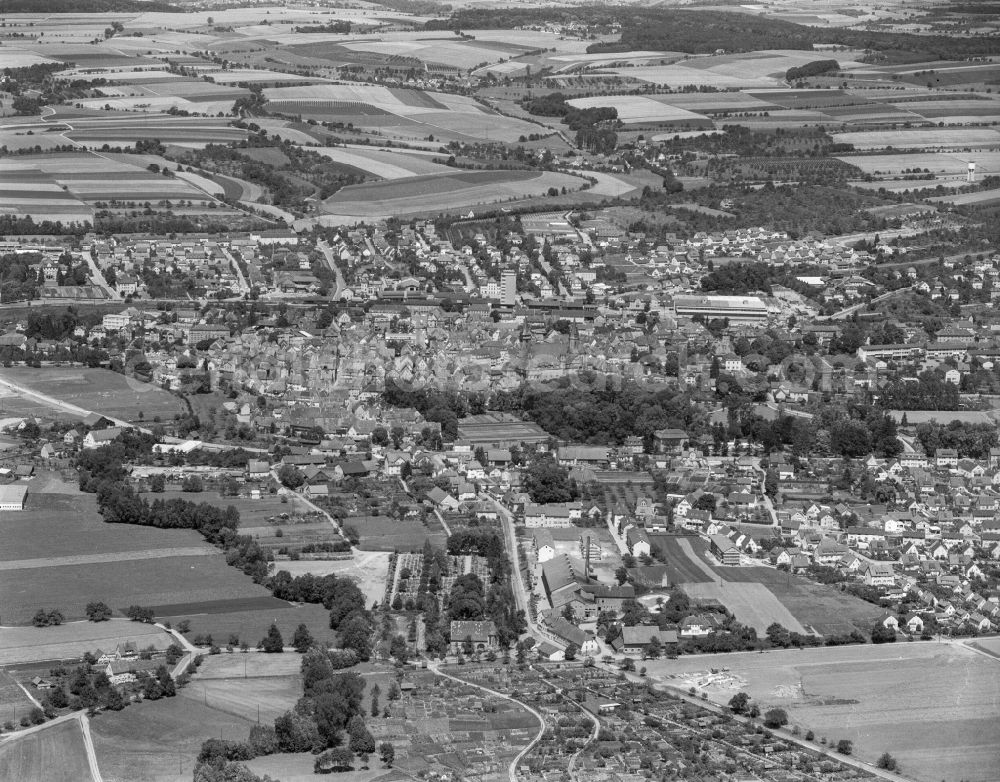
(512, 771)
(332, 263)
(521, 593)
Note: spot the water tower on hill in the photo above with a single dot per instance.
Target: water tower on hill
(972, 173)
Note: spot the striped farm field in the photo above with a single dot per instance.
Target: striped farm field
(383, 163)
(941, 163)
(635, 109)
(935, 138)
(431, 193)
(961, 199)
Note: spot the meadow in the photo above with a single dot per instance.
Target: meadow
(382, 533)
(158, 741)
(250, 624)
(921, 138)
(168, 580)
(455, 191)
(19, 645)
(101, 390)
(948, 728)
(761, 595)
(640, 109)
(248, 685)
(385, 164)
(53, 754)
(65, 525)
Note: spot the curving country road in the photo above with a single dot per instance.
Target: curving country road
(512, 771)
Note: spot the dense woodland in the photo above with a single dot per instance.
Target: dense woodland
(705, 32)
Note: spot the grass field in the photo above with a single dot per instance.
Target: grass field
(947, 728)
(149, 582)
(14, 703)
(921, 138)
(640, 109)
(158, 741)
(251, 625)
(239, 684)
(381, 533)
(69, 641)
(761, 595)
(62, 525)
(433, 193)
(98, 390)
(55, 754)
(383, 163)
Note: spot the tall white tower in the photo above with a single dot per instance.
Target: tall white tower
(972, 173)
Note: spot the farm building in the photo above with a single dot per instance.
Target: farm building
(101, 437)
(12, 496)
(723, 548)
(635, 640)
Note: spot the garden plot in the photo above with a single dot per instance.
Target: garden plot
(948, 728)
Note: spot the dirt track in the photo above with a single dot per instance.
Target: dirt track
(94, 559)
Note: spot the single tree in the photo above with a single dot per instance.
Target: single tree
(845, 746)
(98, 612)
(273, 643)
(302, 640)
(888, 762)
(739, 702)
(387, 753)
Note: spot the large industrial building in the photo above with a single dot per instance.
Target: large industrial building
(739, 309)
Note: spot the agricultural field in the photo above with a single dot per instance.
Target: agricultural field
(248, 620)
(760, 595)
(759, 69)
(459, 190)
(53, 754)
(643, 110)
(102, 390)
(241, 683)
(981, 197)
(72, 186)
(121, 565)
(385, 164)
(173, 580)
(69, 641)
(397, 112)
(382, 533)
(64, 526)
(14, 702)
(929, 139)
(941, 164)
(158, 741)
(946, 729)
